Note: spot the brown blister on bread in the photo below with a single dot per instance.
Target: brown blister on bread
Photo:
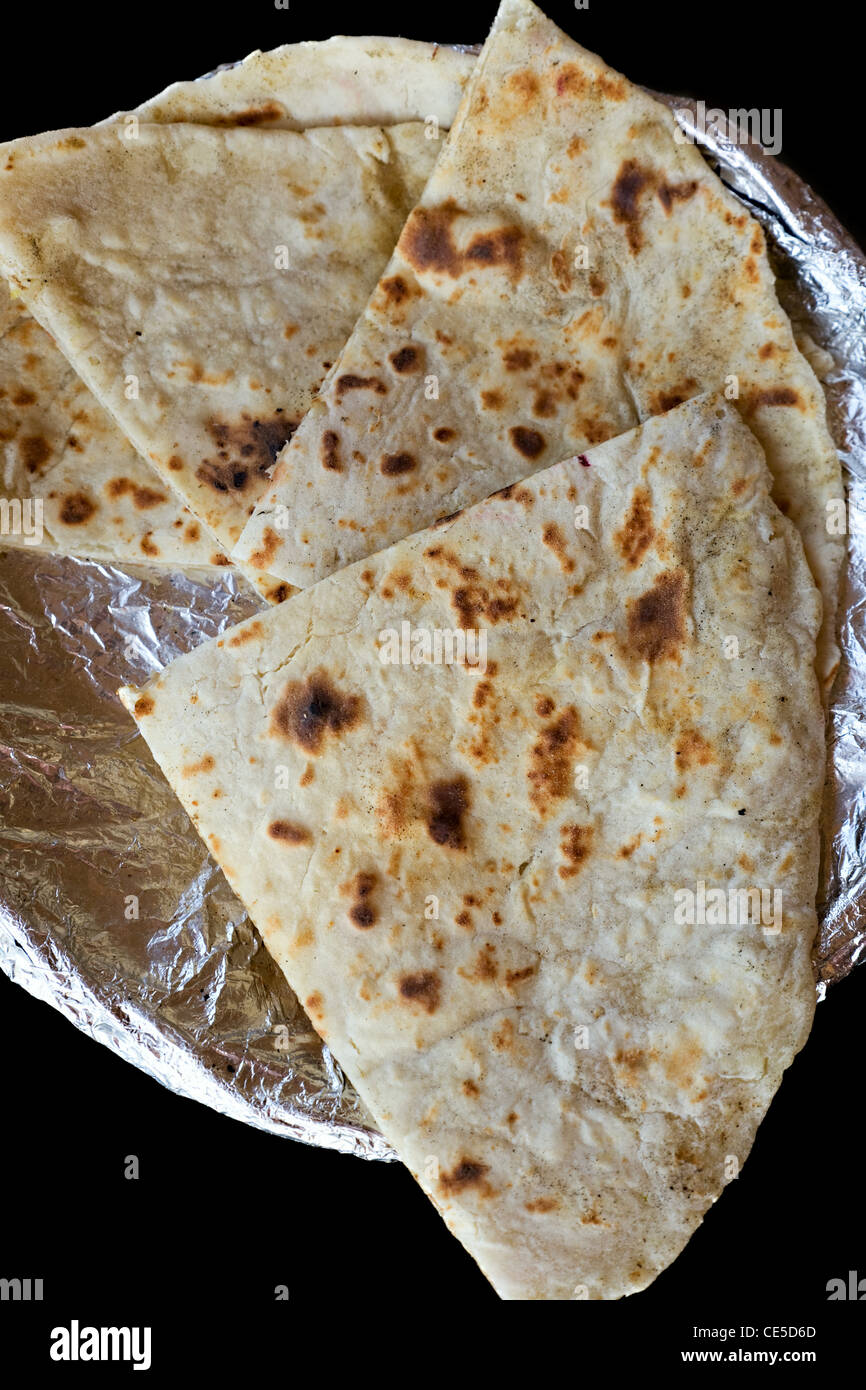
(427, 244)
(637, 533)
(528, 442)
(351, 382)
(142, 497)
(672, 396)
(407, 359)
(693, 750)
(657, 619)
(395, 465)
(287, 832)
(362, 913)
(278, 593)
(467, 1173)
(312, 710)
(772, 396)
(331, 451)
(423, 988)
(633, 182)
(262, 558)
(205, 764)
(576, 846)
(246, 449)
(553, 537)
(77, 508)
(551, 760)
(265, 113)
(249, 632)
(448, 805)
(35, 451)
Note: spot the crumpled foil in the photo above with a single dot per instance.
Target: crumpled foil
(111, 909)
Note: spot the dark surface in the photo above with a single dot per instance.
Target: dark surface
(221, 1214)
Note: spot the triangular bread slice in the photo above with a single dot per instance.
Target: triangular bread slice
(510, 804)
(80, 486)
(201, 279)
(572, 268)
(71, 483)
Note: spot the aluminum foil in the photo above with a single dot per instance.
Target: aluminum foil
(111, 909)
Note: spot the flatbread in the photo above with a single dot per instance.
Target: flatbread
(201, 280)
(61, 451)
(469, 873)
(82, 488)
(338, 81)
(570, 270)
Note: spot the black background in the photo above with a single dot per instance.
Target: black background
(222, 1213)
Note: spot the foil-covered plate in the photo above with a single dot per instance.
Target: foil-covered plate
(111, 909)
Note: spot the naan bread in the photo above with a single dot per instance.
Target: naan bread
(60, 450)
(202, 280)
(570, 270)
(100, 499)
(339, 81)
(469, 876)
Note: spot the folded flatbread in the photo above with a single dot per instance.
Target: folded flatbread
(337, 81)
(201, 280)
(73, 484)
(570, 270)
(549, 903)
(61, 450)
